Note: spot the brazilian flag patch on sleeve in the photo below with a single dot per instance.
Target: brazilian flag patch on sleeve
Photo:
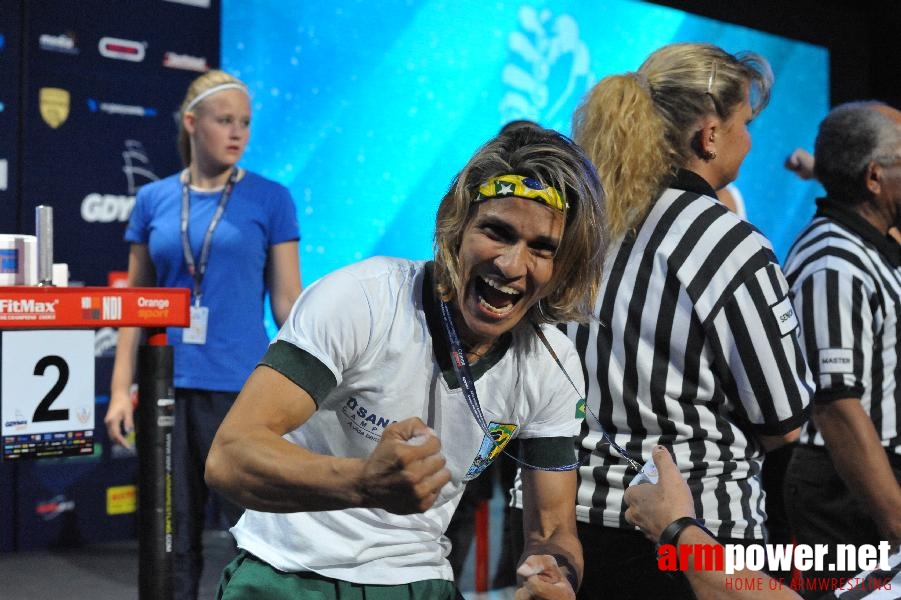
(580, 408)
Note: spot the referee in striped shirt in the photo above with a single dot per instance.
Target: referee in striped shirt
(696, 344)
(842, 483)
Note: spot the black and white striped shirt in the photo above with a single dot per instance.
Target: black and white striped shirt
(846, 278)
(697, 350)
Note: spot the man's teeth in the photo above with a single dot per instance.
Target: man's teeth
(498, 311)
(500, 293)
(500, 287)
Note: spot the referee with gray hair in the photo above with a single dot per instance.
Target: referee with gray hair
(842, 484)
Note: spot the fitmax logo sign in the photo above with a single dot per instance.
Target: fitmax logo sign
(29, 306)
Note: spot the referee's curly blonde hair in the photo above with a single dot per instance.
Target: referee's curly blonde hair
(554, 160)
(638, 127)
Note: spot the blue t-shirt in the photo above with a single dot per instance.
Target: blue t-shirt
(260, 213)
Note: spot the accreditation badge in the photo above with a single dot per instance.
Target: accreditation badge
(494, 442)
(196, 333)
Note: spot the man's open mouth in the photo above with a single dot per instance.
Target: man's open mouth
(496, 297)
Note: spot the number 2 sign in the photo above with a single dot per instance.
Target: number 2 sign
(47, 381)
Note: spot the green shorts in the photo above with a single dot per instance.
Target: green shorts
(249, 578)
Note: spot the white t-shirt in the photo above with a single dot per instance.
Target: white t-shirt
(372, 327)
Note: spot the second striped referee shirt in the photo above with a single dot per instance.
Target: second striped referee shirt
(697, 349)
(847, 282)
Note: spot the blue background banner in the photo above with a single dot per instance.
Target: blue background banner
(367, 110)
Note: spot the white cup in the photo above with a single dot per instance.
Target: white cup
(61, 274)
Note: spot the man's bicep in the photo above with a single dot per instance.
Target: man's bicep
(270, 400)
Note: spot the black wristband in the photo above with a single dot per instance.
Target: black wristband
(570, 573)
(671, 534)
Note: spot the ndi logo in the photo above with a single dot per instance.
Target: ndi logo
(111, 308)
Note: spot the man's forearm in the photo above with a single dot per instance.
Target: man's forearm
(861, 461)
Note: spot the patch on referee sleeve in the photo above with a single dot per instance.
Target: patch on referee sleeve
(836, 360)
(785, 316)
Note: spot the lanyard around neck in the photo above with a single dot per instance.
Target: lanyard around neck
(467, 386)
(198, 270)
(622, 451)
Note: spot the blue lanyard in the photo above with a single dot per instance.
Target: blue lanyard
(199, 270)
(467, 386)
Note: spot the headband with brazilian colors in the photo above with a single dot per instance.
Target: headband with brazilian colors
(215, 89)
(522, 187)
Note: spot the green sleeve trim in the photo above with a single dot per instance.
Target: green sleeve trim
(302, 368)
(548, 452)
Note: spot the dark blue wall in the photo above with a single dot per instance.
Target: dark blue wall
(88, 95)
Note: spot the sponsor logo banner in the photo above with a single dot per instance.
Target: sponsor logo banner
(88, 308)
(197, 3)
(64, 43)
(121, 500)
(51, 509)
(54, 105)
(111, 208)
(119, 49)
(185, 62)
(114, 108)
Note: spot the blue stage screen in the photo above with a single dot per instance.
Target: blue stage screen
(366, 110)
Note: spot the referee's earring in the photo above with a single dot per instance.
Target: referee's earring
(710, 154)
